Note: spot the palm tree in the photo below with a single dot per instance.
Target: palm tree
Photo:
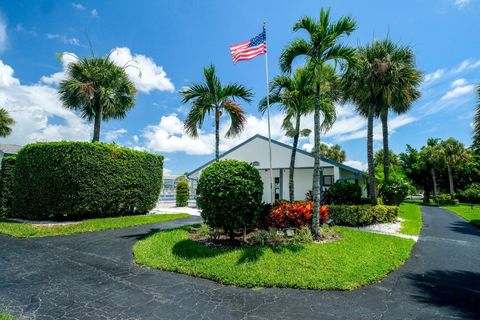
(383, 79)
(6, 123)
(99, 89)
(476, 125)
(335, 152)
(322, 47)
(212, 96)
(455, 153)
(433, 156)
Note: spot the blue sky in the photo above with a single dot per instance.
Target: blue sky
(171, 41)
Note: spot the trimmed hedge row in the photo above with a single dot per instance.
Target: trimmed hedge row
(6, 185)
(77, 180)
(362, 215)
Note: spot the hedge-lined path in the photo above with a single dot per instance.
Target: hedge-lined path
(92, 276)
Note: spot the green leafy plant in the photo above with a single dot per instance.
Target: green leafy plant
(445, 199)
(344, 192)
(395, 191)
(183, 193)
(362, 215)
(78, 180)
(230, 195)
(471, 194)
(6, 185)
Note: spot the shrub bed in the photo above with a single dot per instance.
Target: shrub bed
(182, 193)
(445, 199)
(77, 180)
(230, 195)
(362, 215)
(295, 215)
(6, 185)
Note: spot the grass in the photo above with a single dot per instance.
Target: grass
(466, 211)
(19, 229)
(410, 211)
(5, 316)
(359, 258)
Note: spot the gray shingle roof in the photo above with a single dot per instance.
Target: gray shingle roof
(10, 148)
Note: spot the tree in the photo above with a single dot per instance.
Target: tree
(384, 78)
(434, 157)
(416, 169)
(99, 89)
(212, 97)
(6, 123)
(455, 153)
(295, 96)
(335, 152)
(322, 47)
(393, 159)
(476, 125)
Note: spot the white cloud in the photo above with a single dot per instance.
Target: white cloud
(467, 64)
(459, 83)
(112, 135)
(63, 38)
(434, 75)
(143, 71)
(54, 79)
(38, 112)
(461, 3)
(78, 6)
(3, 34)
(94, 13)
(458, 92)
(356, 164)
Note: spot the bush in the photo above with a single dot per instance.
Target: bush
(295, 215)
(343, 192)
(77, 180)
(471, 194)
(183, 193)
(362, 215)
(445, 199)
(395, 191)
(230, 195)
(6, 185)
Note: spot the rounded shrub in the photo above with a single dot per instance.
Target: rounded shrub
(395, 191)
(182, 193)
(77, 180)
(6, 185)
(344, 192)
(230, 195)
(471, 194)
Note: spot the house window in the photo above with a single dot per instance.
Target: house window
(327, 180)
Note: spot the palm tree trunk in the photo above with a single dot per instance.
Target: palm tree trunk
(450, 180)
(386, 152)
(291, 171)
(97, 123)
(316, 168)
(371, 168)
(434, 178)
(217, 134)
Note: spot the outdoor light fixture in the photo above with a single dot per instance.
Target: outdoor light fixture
(330, 222)
(255, 163)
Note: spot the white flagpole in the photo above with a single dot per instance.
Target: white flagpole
(272, 196)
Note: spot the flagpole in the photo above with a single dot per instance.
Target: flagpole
(272, 196)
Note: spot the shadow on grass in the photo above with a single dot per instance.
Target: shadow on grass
(253, 254)
(457, 290)
(465, 227)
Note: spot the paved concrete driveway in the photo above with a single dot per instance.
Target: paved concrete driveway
(92, 276)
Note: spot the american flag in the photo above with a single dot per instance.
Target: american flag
(249, 49)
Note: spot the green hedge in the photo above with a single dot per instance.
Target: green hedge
(362, 215)
(77, 180)
(182, 193)
(6, 185)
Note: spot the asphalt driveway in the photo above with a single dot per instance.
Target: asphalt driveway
(92, 276)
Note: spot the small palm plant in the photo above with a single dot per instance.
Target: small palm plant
(99, 89)
(6, 122)
(213, 97)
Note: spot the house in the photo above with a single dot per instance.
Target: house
(8, 150)
(256, 152)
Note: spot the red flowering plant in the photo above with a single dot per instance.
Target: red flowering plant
(295, 215)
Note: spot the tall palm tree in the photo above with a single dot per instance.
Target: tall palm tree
(434, 158)
(322, 47)
(211, 96)
(99, 89)
(335, 152)
(6, 123)
(476, 125)
(383, 79)
(455, 153)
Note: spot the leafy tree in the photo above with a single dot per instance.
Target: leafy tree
(323, 46)
(393, 159)
(99, 89)
(213, 97)
(335, 152)
(6, 123)
(455, 153)
(295, 96)
(476, 125)
(383, 79)
(416, 169)
(434, 158)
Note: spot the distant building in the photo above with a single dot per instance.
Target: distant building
(8, 150)
(169, 188)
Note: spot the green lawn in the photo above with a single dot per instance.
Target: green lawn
(18, 229)
(359, 258)
(5, 316)
(465, 211)
(410, 212)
